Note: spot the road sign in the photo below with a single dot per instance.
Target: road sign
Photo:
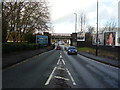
(81, 36)
(41, 39)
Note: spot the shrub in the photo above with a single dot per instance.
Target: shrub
(11, 47)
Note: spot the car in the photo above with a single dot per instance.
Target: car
(58, 48)
(65, 48)
(72, 50)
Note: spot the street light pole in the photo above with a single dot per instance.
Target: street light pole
(97, 32)
(75, 22)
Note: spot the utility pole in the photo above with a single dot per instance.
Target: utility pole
(97, 32)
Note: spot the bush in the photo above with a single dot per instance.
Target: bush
(12, 47)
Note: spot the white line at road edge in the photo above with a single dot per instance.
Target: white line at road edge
(71, 77)
(47, 82)
(101, 63)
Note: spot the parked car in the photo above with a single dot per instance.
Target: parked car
(72, 50)
(58, 48)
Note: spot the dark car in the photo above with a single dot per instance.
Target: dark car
(72, 50)
(58, 48)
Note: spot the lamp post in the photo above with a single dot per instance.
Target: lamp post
(75, 37)
(97, 32)
(75, 22)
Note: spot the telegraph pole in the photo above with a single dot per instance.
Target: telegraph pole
(97, 32)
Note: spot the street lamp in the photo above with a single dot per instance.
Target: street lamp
(97, 32)
(75, 22)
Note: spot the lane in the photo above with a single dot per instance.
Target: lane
(56, 69)
(90, 74)
(31, 74)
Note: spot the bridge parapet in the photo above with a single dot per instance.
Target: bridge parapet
(61, 34)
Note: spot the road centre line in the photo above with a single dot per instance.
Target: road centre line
(47, 82)
(59, 77)
(61, 68)
(58, 62)
(71, 77)
(63, 61)
(60, 56)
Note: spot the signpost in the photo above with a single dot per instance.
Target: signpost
(41, 39)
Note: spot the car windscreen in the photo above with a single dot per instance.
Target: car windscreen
(72, 48)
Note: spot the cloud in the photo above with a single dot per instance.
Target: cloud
(63, 18)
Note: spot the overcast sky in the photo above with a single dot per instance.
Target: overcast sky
(63, 17)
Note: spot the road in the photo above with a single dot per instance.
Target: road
(56, 69)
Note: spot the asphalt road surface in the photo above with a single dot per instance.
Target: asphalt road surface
(56, 69)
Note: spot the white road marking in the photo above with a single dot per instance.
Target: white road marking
(105, 64)
(60, 53)
(101, 63)
(61, 68)
(60, 56)
(71, 77)
(58, 62)
(59, 77)
(47, 82)
(63, 61)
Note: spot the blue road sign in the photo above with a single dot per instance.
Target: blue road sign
(41, 39)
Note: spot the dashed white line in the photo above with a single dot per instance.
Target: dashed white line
(47, 82)
(71, 77)
(60, 56)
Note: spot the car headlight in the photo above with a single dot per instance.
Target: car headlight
(76, 50)
(69, 50)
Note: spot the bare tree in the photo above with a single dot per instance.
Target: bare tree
(91, 29)
(110, 26)
(25, 17)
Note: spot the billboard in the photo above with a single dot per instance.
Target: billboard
(110, 38)
(81, 36)
(100, 39)
(41, 39)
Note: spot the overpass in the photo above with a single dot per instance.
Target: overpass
(56, 37)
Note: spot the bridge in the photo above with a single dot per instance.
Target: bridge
(65, 37)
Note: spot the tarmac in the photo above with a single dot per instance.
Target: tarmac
(16, 57)
(111, 62)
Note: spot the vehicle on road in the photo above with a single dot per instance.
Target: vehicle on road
(65, 48)
(58, 48)
(72, 50)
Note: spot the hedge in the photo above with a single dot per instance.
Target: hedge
(12, 47)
